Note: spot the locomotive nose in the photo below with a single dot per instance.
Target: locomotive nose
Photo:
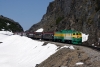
(77, 36)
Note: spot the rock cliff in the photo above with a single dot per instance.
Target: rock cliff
(80, 15)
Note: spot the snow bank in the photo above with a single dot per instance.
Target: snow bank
(84, 37)
(39, 30)
(6, 33)
(20, 51)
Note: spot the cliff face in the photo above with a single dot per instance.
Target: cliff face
(80, 15)
(8, 24)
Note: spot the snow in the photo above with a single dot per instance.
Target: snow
(79, 63)
(21, 51)
(39, 30)
(70, 47)
(8, 24)
(92, 44)
(84, 37)
(6, 33)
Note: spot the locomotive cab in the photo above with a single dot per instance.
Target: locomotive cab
(76, 38)
(69, 36)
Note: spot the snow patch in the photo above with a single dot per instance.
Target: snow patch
(95, 46)
(8, 24)
(79, 63)
(70, 47)
(92, 44)
(84, 37)
(39, 30)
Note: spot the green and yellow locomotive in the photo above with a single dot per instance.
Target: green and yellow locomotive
(69, 36)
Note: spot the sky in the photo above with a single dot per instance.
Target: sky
(21, 51)
(25, 12)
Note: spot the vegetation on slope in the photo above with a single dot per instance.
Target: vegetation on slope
(9, 25)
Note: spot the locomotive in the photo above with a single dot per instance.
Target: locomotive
(68, 36)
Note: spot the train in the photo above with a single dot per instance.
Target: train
(67, 36)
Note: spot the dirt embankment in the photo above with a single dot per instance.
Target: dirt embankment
(66, 57)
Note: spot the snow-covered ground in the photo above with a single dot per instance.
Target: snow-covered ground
(21, 51)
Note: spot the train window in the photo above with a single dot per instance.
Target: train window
(73, 33)
(76, 33)
(79, 33)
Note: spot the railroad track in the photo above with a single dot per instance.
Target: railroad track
(97, 48)
(66, 44)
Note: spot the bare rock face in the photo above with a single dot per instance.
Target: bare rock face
(80, 15)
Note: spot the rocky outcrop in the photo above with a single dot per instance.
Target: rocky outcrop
(8, 24)
(80, 15)
(70, 58)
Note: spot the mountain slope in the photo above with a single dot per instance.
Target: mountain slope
(80, 15)
(9, 24)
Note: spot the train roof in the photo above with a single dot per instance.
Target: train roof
(67, 31)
